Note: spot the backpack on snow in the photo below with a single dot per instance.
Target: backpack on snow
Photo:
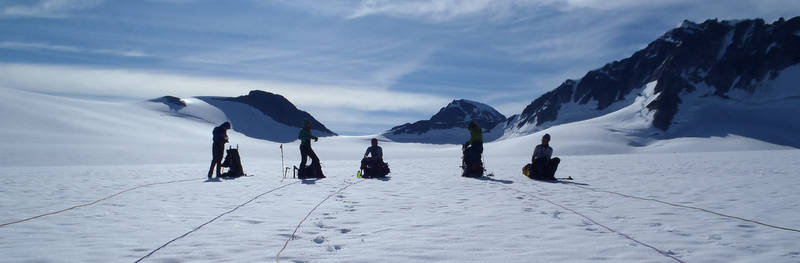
(233, 162)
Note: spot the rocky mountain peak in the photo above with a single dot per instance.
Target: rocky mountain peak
(723, 55)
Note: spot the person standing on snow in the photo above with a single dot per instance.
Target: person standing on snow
(218, 147)
(305, 146)
(542, 166)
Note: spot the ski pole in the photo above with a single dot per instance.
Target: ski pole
(282, 165)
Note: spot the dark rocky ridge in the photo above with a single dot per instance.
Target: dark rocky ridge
(279, 109)
(457, 114)
(259, 114)
(724, 55)
(174, 103)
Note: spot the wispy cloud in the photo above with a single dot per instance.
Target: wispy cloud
(376, 63)
(62, 48)
(143, 85)
(446, 10)
(616, 4)
(46, 8)
(443, 10)
(436, 9)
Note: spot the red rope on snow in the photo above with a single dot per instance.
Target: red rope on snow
(666, 254)
(690, 207)
(212, 220)
(277, 257)
(93, 202)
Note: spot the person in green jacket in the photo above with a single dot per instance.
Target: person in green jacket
(305, 145)
(474, 147)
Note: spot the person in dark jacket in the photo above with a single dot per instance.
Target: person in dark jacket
(305, 146)
(373, 156)
(542, 166)
(218, 147)
(474, 147)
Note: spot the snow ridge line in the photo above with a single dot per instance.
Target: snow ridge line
(666, 254)
(278, 256)
(93, 202)
(212, 220)
(690, 207)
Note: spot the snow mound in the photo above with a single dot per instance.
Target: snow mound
(245, 118)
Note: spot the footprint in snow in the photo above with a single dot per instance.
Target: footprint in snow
(557, 214)
(319, 239)
(334, 248)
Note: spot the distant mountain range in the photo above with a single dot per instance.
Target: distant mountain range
(731, 60)
(449, 125)
(258, 114)
(698, 80)
(728, 77)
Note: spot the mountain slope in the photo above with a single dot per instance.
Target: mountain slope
(449, 125)
(259, 114)
(700, 70)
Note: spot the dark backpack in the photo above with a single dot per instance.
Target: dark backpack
(234, 163)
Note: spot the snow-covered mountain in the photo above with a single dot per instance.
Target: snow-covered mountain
(259, 114)
(698, 80)
(449, 125)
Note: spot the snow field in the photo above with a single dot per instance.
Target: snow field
(61, 152)
(425, 212)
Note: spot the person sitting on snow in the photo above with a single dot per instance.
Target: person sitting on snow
(373, 156)
(473, 149)
(542, 166)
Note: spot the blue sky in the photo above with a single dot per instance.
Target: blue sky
(360, 67)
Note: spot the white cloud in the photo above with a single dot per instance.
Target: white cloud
(144, 85)
(372, 62)
(442, 10)
(586, 40)
(48, 8)
(62, 48)
(616, 4)
(511, 108)
(436, 9)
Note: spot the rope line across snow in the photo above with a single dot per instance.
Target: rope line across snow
(212, 220)
(277, 257)
(93, 202)
(664, 253)
(690, 207)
